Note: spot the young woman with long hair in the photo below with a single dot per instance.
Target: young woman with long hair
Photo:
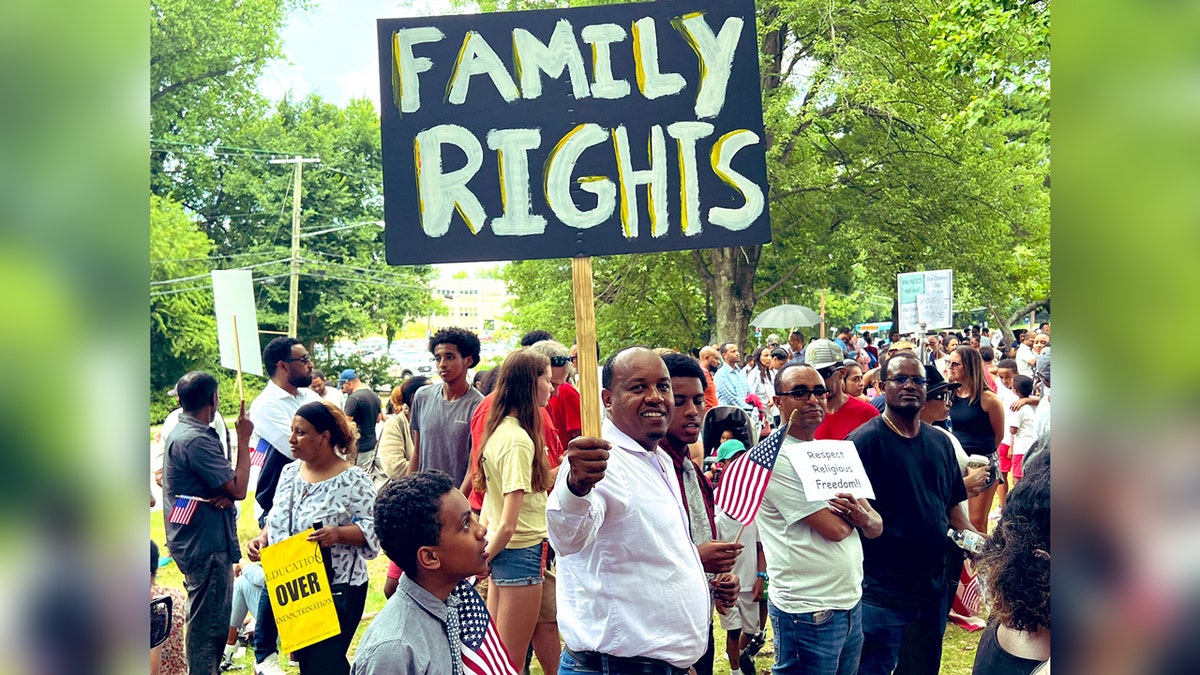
(514, 473)
(977, 418)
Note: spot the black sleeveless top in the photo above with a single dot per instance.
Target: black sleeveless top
(972, 426)
(991, 659)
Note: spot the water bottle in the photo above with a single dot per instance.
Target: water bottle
(971, 542)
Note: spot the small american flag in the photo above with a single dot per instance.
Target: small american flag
(184, 509)
(745, 481)
(258, 456)
(482, 651)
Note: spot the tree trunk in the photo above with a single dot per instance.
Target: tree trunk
(1015, 316)
(728, 275)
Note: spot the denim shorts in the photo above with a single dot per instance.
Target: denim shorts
(519, 566)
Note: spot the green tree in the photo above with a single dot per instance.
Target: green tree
(346, 288)
(888, 151)
(182, 326)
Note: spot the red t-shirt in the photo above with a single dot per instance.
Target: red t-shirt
(564, 410)
(554, 451)
(852, 415)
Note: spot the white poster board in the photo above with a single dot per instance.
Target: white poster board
(233, 295)
(826, 468)
(925, 297)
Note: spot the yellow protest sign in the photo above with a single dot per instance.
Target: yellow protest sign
(300, 594)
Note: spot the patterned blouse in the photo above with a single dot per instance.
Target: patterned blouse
(174, 660)
(344, 499)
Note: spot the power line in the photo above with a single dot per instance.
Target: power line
(162, 261)
(206, 275)
(192, 289)
(233, 148)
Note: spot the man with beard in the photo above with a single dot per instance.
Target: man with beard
(272, 412)
(621, 611)
(813, 551)
(918, 487)
(687, 383)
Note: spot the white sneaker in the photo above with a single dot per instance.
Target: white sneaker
(269, 666)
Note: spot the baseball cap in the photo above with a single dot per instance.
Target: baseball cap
(773, 339)
(823, 353)
(730, 448)
(347, 375)
(936, 384)
(900, 345)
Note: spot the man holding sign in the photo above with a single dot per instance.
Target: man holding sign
(917, 490)
(814, 554)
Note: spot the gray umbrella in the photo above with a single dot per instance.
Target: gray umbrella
(786, 316)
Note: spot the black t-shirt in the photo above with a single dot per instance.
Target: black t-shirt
(362, 405)
(916, 480)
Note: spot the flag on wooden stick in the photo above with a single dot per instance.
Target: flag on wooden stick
(745, 481)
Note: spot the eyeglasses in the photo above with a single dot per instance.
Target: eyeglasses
(828, 371)
(560, 361)
(902, 380)
(803, 394)
(301, 359)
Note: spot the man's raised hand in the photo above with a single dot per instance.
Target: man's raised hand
(588, 458)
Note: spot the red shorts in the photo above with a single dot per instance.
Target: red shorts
(1005, 458)
(1018, 466)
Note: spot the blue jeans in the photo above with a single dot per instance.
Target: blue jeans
(883, 632)
(817, 643)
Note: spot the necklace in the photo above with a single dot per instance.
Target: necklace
(888, 421)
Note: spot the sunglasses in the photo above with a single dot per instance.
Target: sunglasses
(902, 380)
(828, 371)
(803, 394)
(560, 361)
(942, 396)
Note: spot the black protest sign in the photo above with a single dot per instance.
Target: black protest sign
(559, 133)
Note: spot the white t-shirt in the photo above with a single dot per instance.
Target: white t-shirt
(1023, 420)
(746, 565)
(808, 572)
(1024, 354)
(1007, 398)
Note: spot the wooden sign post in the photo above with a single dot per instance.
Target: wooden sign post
(585, 336)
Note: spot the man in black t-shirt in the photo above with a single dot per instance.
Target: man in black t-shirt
(362, 406)
(918, 488)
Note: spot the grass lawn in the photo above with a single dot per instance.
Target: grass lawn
(958, 647)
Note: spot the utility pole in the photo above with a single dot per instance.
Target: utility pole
(294, 286)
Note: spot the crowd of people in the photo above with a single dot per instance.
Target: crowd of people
(610, 553)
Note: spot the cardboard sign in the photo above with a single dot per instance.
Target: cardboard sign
(925, 297)
(572, 132)
(233, 295)
(829, 467)
(300, 594)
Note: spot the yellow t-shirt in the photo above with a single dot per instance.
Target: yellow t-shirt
(508, 467)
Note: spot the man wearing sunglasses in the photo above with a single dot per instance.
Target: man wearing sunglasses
(843, 412)
(272, 411)
(813, 552)
(918, 487)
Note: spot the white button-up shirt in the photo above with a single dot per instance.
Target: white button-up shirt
(630, 582)
(272, 412)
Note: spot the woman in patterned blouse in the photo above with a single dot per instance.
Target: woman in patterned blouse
(324, 487)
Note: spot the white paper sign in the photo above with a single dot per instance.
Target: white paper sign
(925, 297)
(233, 295)
(826, 468)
